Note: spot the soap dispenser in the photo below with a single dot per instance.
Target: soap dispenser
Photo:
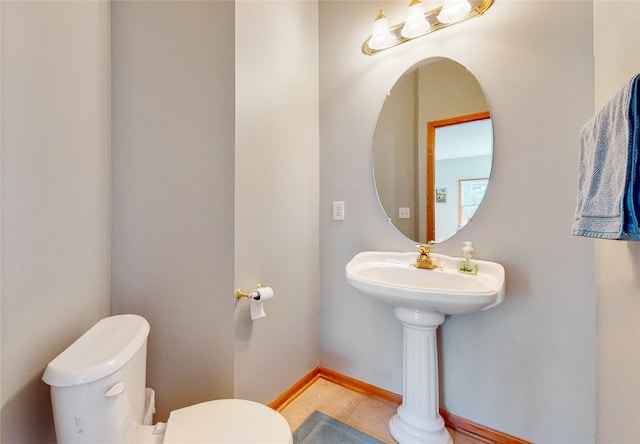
(467, 266)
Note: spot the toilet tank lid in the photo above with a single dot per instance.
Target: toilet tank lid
(102, 350)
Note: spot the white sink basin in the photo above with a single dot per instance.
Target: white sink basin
(421, 299)
(391, 278)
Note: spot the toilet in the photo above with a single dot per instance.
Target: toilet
(98, 395)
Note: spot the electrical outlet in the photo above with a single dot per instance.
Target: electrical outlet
(404, 213)
(338, 211)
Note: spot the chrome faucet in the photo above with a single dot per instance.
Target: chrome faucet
(424, 260)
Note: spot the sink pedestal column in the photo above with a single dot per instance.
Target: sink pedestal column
(418, 419)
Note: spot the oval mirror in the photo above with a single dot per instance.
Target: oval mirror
(433, 150)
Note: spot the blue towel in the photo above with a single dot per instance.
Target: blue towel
(632, 205)
(608, 180)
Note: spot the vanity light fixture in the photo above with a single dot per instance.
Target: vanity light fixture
(419, 22)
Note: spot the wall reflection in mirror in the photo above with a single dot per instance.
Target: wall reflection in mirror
(433, 150)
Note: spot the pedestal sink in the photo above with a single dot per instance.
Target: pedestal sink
(421, 299)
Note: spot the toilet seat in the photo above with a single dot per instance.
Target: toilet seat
(227, 421)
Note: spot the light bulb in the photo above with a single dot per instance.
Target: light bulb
(381, 37)
(416, 23)
(453, 11)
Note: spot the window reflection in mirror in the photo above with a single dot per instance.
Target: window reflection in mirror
(470, 194)
(434, 131)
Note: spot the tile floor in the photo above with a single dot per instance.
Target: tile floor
(370, 415)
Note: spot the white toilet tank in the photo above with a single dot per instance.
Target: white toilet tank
(98, 382)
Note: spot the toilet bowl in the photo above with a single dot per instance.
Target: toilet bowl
(98, 396)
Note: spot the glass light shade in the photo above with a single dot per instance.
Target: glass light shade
(453, 11)
(381, 37)
(416, 23)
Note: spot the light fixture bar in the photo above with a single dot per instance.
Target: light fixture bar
(478, 7)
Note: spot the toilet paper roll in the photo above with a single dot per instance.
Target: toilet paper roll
(258, 296)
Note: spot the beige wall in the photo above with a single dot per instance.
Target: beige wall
(526, 367)
(173, 191)
(276, 203)
(617, 59)
(1, 398)
(199, 210)
(55, 196)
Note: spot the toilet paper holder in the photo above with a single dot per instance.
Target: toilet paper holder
(256, 299)
(250, 295)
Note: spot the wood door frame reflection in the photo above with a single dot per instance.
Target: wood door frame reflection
(431, 171)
